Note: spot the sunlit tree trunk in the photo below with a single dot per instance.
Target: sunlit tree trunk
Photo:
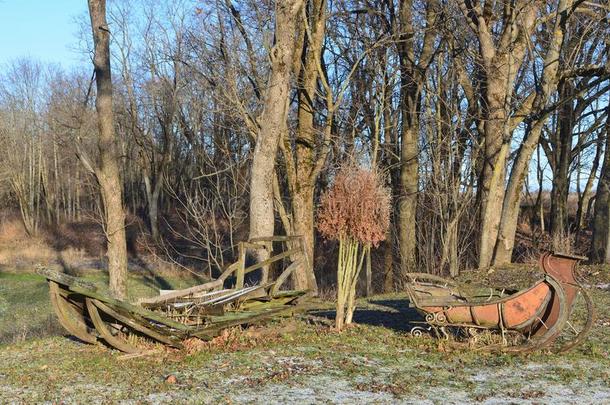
(107, 174)
(308, 152)
(512, 199)
(501, 55)
(272, 122)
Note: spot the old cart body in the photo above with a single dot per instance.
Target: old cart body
(202, 311)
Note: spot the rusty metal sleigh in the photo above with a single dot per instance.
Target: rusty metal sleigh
(538, 315)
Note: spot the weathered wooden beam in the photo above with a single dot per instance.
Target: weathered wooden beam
(156, 326)
(68, 317)
(285, 274)
(103, 330)
(137, 326)
(255, 304)
(272, 259)
(182, 293)
(253, 245)
(241, 318)
(64, 279)
(275, 238)
(131, 308)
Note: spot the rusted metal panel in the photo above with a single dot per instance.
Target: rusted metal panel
(523, 309)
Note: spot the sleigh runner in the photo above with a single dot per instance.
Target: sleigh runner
(203, 311)
(540, 314)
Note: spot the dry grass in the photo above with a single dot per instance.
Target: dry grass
(563, 242)
(11, 227)
(79, 248)
(24, 254)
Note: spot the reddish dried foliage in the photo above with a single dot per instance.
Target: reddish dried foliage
(357, 206)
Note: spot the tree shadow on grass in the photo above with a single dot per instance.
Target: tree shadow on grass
(150, 277)
(392, 313)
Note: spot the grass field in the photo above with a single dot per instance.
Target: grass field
(288, 360)
(25, 309)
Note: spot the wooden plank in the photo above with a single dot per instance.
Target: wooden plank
(136, 326)
(132, 308)
(255, 305)
(277, 238)
(247, 318)
(219, 282)
(242, 293)
(191, 299)
(255, 246)
(284, 276)
(272, 259)
(103, 330)
(155, 326)
(290, 293)
(182, 293)
(64, 279)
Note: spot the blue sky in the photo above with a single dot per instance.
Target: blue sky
(42, 29)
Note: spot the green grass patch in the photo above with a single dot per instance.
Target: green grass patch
(294, 360)
(25, 310)
(25, 307)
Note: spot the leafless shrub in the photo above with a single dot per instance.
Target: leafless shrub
(209, 213)
(563, 242)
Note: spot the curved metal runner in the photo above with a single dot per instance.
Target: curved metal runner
(581, 335)
(547, 338)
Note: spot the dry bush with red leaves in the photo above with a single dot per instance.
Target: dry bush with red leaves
(356, 211)
(356, 206)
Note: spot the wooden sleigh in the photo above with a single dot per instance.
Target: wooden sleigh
(539, 314)
(202, 311)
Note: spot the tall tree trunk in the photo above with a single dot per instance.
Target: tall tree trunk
(153, 191)
(583, 201)
(307, 154)
(272, 123)
(600, 249)
(491, 184)
(413, 67)
(512, 199)
(561, 172)
(303, 223)
(501, 54)
(409, 181)
(107, 174)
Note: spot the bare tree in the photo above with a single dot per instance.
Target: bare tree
(413, 66)
(600, 245)
(107, 172)
(502, 31)
(538, 113)
(273, 121)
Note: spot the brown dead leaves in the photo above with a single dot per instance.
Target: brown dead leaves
(357, 205)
